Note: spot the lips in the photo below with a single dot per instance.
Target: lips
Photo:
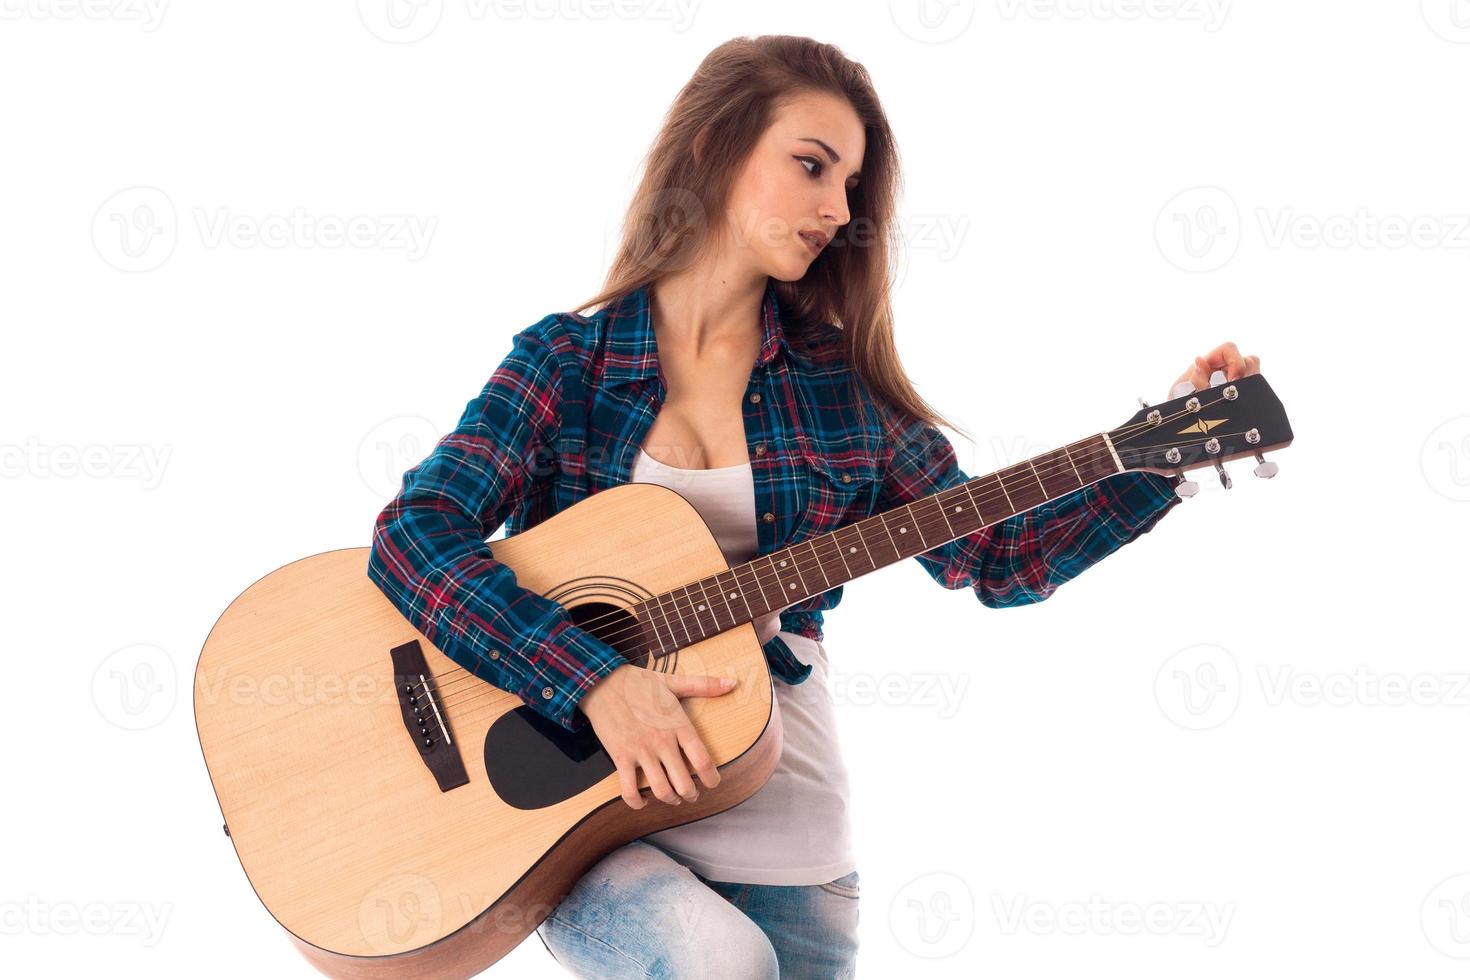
(815, 241)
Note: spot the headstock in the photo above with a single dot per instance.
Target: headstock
(1225, 421)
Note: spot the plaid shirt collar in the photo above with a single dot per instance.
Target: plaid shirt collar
(632, 350)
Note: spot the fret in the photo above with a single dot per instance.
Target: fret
(1001, 483)
(791, 560)
(725, 595)
(811, 543)
(1038, 478)
(934, 519)
(739, 592)
(1080, 482)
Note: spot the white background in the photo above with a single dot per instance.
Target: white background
(1247, 728)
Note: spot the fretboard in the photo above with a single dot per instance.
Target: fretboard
(747, 592)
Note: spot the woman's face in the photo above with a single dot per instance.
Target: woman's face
(796, 183)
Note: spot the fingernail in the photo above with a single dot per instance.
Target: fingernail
(727, 682)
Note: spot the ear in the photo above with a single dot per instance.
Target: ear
(700, 139)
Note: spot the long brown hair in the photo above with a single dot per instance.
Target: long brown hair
(724, 108)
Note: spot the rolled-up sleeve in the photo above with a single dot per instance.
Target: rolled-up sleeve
(430, 558)
(1026, 557)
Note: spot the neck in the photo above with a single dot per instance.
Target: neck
(782, 578)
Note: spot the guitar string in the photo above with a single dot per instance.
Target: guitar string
(809, 563)
(814, 561)
(457, 673)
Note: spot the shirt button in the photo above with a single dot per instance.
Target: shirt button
(768, 517)
(847, 478)
(494, 654)
(760, 450)
(546, 692)
(755, 396)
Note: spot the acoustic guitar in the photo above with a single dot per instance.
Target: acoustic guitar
(398, 816)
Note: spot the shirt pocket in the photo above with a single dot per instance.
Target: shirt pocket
(836, 490)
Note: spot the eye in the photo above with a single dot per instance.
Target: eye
(817, 173)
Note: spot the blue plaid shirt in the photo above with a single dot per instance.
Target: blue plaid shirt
(563, 416)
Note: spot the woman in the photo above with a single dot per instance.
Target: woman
(716, 366)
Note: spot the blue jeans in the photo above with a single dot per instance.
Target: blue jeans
(640, 913)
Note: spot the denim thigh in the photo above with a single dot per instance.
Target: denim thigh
(640, 913)
(812, 927)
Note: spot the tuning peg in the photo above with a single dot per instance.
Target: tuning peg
(1181, 389)
(1217, 377)
(1141, 402)
(1265, 470)
(1185, 488)
(1224, 477)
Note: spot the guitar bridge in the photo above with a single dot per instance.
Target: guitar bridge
(424, 717)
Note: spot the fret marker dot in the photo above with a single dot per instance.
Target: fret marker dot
(958, 509)
(903, 530)
(851, 551)
(734, 595)
(783, 564)
(701, 607)
(792, 585)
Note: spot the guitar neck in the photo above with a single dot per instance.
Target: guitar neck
(763, 585)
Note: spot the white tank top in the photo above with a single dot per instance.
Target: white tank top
(794, 830)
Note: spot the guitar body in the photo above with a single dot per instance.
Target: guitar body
(381, 857)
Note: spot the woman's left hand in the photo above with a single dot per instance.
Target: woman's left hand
(1227, 358)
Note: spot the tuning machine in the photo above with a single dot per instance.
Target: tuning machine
(1265, 470)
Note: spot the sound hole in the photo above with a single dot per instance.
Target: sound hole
(532, 761)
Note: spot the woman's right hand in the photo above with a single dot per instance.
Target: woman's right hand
(638, 718)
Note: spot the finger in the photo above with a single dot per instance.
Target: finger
(699, 685)
(678, 774)
(653, 768)
(1253, 365)
(1201, 375)
(699, 757)
(628, 785)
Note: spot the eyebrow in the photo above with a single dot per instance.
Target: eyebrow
(830, 152)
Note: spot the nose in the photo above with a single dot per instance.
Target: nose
(834, 207)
